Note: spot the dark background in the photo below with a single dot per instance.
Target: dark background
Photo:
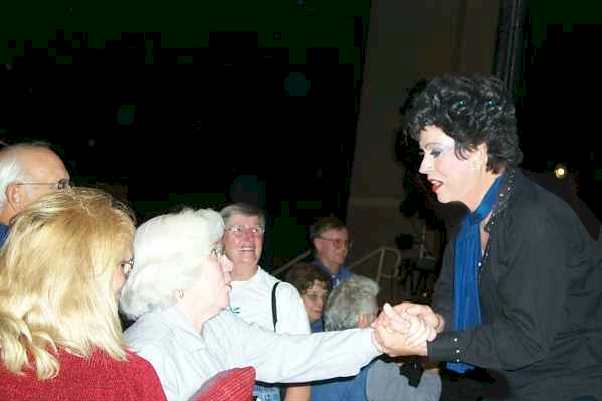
(170, 117)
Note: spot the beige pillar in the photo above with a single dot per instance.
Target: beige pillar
(407, 40)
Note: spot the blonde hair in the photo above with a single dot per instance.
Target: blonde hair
(56, 280)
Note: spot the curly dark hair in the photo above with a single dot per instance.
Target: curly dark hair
(472, 110)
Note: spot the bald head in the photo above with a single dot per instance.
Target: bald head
(26, 173)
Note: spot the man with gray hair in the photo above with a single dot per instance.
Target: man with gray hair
(352, 305)
(27, 171)
(256, 296)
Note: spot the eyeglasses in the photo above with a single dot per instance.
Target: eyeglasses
(338, 242)
(237, 230)
(127, 266)
(60, 185)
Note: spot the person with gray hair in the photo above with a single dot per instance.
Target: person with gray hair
(258, 297)
(353, 304)
(178, 293)
(27, 171)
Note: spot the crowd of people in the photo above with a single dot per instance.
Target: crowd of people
(519, 294)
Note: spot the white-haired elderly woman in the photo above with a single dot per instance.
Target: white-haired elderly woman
(178, 293)
(353, 304)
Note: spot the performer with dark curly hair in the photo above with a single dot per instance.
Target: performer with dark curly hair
(520, 287)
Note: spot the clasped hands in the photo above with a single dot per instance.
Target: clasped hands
(404, 329)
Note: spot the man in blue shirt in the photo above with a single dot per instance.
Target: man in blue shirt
(330, 239)
(27, 171)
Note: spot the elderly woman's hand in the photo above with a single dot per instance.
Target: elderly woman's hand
(401, 334)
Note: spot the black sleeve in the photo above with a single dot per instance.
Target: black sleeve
(530, 284)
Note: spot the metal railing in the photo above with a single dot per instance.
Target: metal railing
(277, 272)
(409, 276)
(379, 252)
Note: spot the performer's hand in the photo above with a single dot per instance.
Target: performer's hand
(418, 331)
(424, 312)
(401, 334)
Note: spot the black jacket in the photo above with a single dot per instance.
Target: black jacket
(541, 299)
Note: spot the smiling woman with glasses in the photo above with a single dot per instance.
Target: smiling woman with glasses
(239, 230)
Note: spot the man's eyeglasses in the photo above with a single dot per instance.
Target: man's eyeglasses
(60, 185)
(238, 230)
(127, 266)
(338, 242)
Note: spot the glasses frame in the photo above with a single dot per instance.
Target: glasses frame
(238, 230)
(338, 242)
(60, 185)
(127, 266)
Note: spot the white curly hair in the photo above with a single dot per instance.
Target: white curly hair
(169, 251)
(347, 302)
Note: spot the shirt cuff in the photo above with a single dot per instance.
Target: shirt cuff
(449, 346)
(373, 348)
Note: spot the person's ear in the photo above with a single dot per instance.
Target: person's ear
(316, 243)
(363, 320)
(479, 157)
(14, 197)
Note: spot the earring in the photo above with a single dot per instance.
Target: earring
(179, 294)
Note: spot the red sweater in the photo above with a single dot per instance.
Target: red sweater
(98, 378)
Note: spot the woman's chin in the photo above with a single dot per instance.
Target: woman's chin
(441, 198)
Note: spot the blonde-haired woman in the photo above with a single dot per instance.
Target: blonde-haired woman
(64, 263)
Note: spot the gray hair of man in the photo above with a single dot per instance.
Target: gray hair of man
(354, 297)
(243, 209)
(10, 167)
(169, 251)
